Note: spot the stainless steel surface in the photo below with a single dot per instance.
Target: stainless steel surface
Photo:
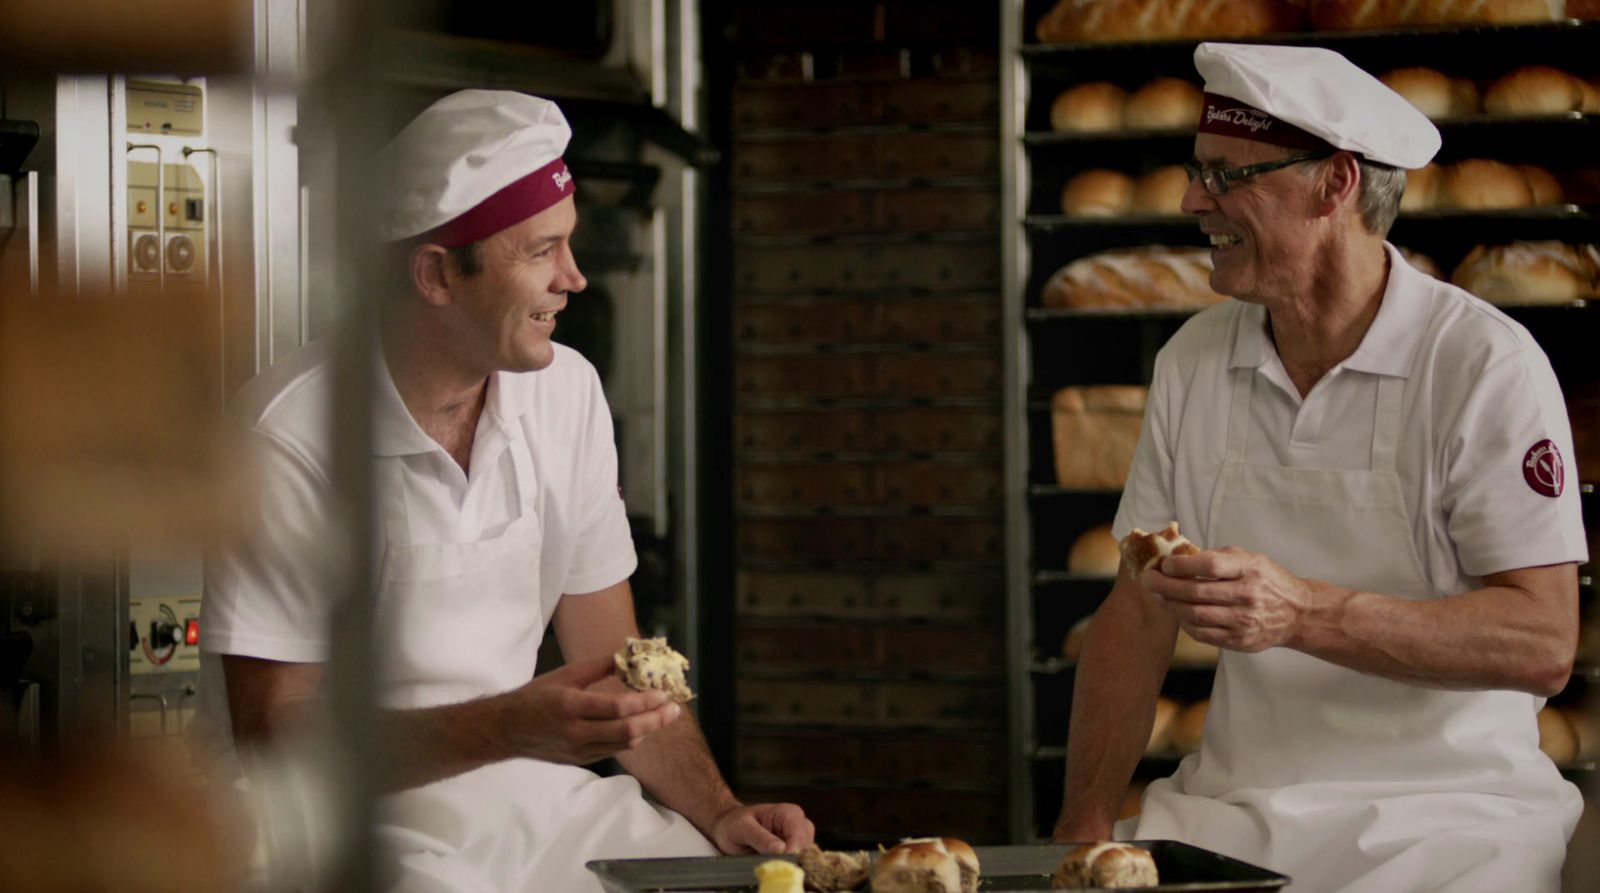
(1003, 869)
(1014, 376)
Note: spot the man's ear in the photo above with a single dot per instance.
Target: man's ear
(431, 272)
(1340, 182)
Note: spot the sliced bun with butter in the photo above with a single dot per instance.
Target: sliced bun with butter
(1142, 550)
(652, 665)
(1105, 865)
(829, 871)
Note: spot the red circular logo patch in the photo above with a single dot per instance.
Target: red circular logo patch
(1542, 468)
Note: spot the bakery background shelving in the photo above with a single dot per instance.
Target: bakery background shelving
(1050, 347)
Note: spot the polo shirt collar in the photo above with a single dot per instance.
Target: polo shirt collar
(1391, 343)
(395, 431)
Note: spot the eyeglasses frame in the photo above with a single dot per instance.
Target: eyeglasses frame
(1216, 180)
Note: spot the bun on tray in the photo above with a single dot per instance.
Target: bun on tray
(1101, 865)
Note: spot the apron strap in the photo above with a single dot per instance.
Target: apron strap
(1239, 412)
(1386, 422)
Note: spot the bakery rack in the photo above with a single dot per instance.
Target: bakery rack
(1047, 348)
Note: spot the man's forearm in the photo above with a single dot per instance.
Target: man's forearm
(434, 743)
(676, 767)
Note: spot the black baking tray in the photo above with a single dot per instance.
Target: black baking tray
(1005, 869)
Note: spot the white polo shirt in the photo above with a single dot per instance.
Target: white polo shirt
(271, 595)
(1480, 400)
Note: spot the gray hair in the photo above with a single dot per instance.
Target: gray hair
(1382, 185)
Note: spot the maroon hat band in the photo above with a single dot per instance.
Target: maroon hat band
(1230, 117)
(508, 207)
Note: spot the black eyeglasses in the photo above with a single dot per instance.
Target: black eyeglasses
(1216, 179)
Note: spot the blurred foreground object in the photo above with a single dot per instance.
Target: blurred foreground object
(110, 422)
(204, 36)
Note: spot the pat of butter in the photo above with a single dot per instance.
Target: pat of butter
(778, 876)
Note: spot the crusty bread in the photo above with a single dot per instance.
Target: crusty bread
(1422, 263)
(1422, 188)
(1557, 738)
(1358, 15)
(1479, 183)
(1163, 104)
(1534, 90)
(1104, 20)
(922, 865)
(1133, 278)
(966, 860)
(1190, 727)
(1545, 187)
(1093, 107)
(1095, 551)
(1095, 429)
(1142, 550)
(1434, 93)
(1530, 273)
(828, 871)
(1105, 865)
(1161, 191)
(1097, 192)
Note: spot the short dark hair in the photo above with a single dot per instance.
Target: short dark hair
(467, 258)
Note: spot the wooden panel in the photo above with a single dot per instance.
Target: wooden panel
(791, 269)
(875, 816)
(814, 757)
(930, 155)
(941, 704)
(831, 212)
(775, 430)
(921, 101)
(808, 646)
(883, 759)
(939, 483)
(831, 157)
(829, 539)
(789, 24)
(971, 596)
(938, 375)
(938, 319)
(965, 649)
(804, 594)
(807, 702)
(821, 320)
(940, 539)
(805, 106)
(924, 596)
(830, 484)
(936, 211)
(804, 376)
(938, 429)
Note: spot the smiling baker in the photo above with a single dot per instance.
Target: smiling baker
(1373, 462)
(498, 514)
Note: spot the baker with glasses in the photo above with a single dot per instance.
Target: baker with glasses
(1374, 465)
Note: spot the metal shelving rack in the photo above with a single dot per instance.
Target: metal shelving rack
(1036, 162)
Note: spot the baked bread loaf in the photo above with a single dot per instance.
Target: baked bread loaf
(830, 872)
(1557, 738)
(1095, 551)
(927, 865)
(1134, 278)
(1358, 15)
(1097, 192)
(650, 664)
(1095, 429)
(1105, 865)
(1422, 263)
(1530, 273)
(1422, 188)
(1106, 20)
(1591, 96)
(1434, 93)
(1163, 104)
(1142, 550)
(1094, 107)
(1545, 187)
(1534, 90)
(1190, 727)
(1161, 191)
(1481, 184)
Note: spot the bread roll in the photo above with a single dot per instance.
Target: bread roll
(1434, 93)
(1187, 651)
(1422, 189)
(1097, 192)
(1530, 273)
(1358, 15)
(1104, 20)
(1142, 551)
(1105, 865)
(1545, 187)
(1586, 728)
(1591, 97)
(1480, 184)
(1190, 727)
(1422, 263)
(1095, 107)
(1161, 191)
(1161, 727)
(1095, 551)
(1095, 430)
(1072, 645)
(921, 865)
(1134, 278)
(1163, 104)
(1534, 90)
(1556, 736)
(651, 664)
(966, 860)
(830, 872)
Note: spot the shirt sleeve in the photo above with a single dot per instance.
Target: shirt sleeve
(604, 554)
(270, 591)
(1147, 498)
(1510, 495)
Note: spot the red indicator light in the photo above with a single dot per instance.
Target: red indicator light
(191, 633)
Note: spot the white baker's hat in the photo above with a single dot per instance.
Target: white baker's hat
(472, 164)
(1309, 98)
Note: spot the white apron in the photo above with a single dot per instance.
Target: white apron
(464, 621)
(1343, 780)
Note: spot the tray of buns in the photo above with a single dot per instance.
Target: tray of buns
(1180, 867)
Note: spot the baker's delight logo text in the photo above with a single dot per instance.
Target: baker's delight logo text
(1240, 117)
